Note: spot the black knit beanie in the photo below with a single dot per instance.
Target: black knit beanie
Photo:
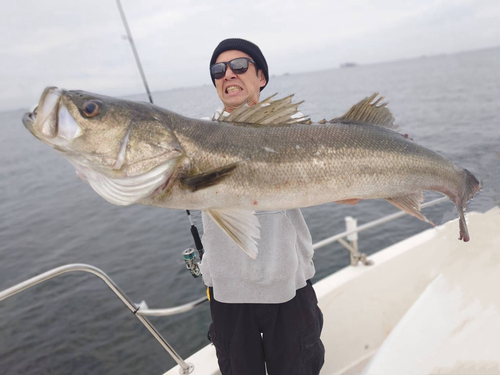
(244, 46)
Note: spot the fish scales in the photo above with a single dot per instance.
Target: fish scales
(336, 161)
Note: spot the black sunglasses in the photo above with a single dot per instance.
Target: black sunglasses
(238, 66)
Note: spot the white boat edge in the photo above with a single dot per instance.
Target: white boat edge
(361, 305)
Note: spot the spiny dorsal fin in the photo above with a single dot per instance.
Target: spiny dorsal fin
(370, 113)
(268, 113)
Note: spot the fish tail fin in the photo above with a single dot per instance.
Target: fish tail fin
(464, 232)
(471, 187)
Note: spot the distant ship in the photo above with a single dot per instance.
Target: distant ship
(348, 65)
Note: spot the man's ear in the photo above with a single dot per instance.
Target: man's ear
(262, 78)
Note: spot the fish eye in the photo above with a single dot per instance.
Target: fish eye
(91, 108)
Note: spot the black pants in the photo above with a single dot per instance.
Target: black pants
(290, 343)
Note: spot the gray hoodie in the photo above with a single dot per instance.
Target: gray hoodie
(283, 264)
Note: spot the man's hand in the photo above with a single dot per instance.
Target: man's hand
(350, 202)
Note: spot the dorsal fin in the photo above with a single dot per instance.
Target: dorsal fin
(370, 112)
(268, 113)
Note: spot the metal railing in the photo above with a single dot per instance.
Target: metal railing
(352, 232)
(185, 368)
(141, 310)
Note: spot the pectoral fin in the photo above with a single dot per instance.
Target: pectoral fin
(206, 179)
(242, 226)
(410, 204)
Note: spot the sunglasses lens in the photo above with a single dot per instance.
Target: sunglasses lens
(218, 71)
(239, 66)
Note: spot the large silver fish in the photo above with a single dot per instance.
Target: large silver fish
(256, 159)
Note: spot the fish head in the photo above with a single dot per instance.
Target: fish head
(121, 148)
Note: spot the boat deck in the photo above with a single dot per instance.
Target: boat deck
(371, 300)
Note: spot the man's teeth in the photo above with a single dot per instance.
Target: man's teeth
(233, 88)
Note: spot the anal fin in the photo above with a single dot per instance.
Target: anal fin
(242, 226)
(410, 204)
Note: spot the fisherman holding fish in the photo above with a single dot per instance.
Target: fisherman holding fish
(254, 158)
(264, 310)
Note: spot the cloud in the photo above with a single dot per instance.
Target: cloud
(80, 45)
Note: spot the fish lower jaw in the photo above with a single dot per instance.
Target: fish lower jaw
(29, 119)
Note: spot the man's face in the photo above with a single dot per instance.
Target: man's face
(236, 89)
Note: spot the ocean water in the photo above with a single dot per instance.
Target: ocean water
(74, 324)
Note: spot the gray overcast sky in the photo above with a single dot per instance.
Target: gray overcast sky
(79, 44)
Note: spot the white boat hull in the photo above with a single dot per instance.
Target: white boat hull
(362, 305)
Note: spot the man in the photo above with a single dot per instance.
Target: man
(264, 311)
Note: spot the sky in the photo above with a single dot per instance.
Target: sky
(80, 44)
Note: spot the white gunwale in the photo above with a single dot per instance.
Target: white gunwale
(361, 305)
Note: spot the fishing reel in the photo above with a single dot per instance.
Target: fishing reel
(192, 262)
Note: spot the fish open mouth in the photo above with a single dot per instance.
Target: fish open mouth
(50, 121)
(43, 120)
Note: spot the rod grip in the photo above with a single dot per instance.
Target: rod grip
(196, 237)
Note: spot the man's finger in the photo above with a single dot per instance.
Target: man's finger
(350, 202)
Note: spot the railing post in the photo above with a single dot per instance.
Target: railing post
(352, 242)
(350, 225)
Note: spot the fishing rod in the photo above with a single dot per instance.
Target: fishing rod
(192, 263)
(134, 50)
